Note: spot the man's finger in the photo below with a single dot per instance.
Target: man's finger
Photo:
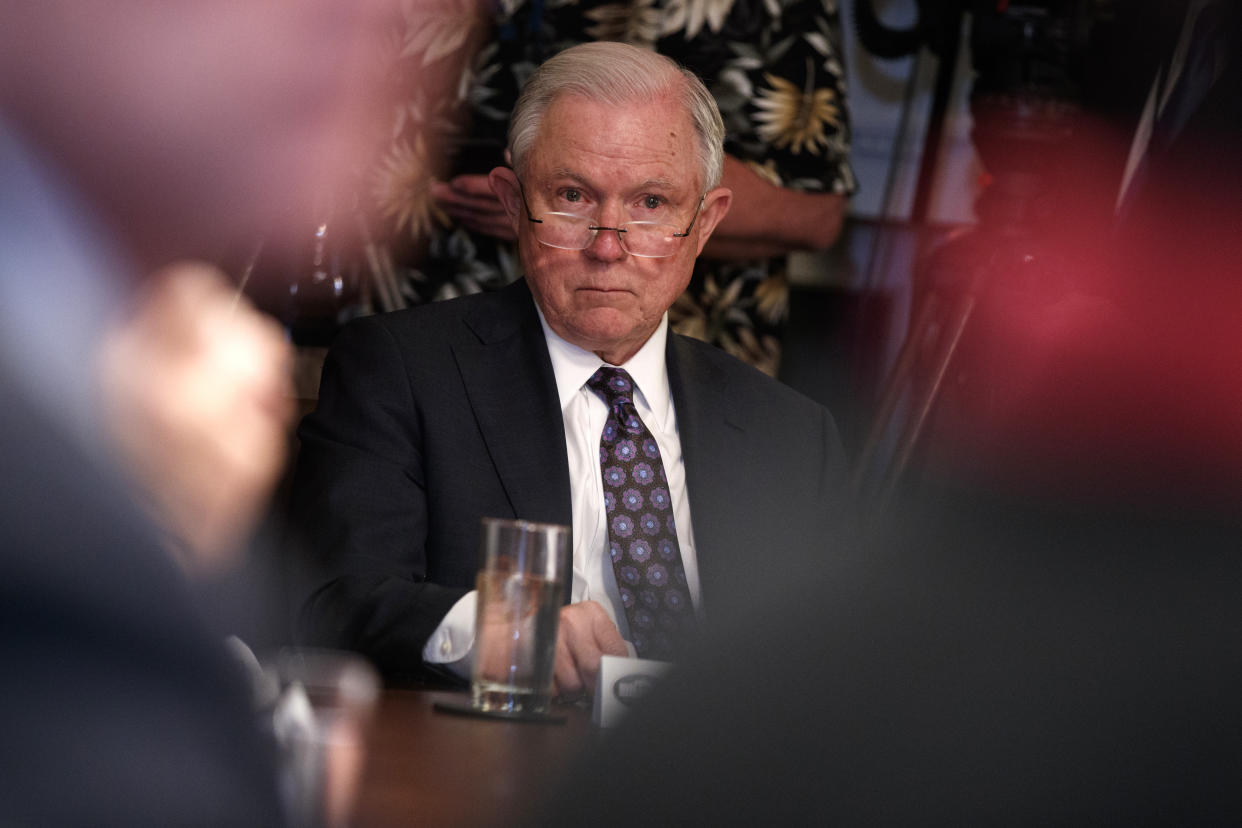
(451, 201)
(480, 197)
(565, 674)
(475, 185)
(589, 633)
(607, 636)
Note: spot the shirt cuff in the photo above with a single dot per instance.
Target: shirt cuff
(452, 643)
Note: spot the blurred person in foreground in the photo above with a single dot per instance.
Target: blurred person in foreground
(495, 404)
(984, 658)
(143, 419)
(1046, 628)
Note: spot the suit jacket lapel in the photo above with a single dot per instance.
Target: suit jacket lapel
(507, 372)
(707, 422)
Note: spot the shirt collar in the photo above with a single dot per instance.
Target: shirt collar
(573, 366)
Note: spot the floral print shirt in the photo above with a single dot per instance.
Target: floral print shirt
(774, 67)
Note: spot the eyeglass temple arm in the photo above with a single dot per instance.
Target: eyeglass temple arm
(529, 215)
(693, 218)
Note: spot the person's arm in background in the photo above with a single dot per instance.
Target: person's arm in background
(773, 220)
(787, 127)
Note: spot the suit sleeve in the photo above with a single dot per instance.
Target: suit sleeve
(359, 495)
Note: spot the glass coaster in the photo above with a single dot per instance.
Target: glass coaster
(465, 708)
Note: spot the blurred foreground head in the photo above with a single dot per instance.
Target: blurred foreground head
(195, 124)
(183, 131)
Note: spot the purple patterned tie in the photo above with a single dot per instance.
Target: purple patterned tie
(642, 536)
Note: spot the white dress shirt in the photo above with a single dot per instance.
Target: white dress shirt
(584, 413)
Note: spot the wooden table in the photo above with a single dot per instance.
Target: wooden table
(429, 768)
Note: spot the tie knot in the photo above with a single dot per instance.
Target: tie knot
(613, 385)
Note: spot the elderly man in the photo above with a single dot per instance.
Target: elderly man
(513, 404)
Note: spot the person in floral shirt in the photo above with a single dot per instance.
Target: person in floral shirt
(775, 69)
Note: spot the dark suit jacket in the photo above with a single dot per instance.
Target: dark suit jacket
(118, 706)
(432, 418)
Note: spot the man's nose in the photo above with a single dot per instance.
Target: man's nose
(606, 245)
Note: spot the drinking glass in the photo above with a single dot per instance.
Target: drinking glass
(521, 588)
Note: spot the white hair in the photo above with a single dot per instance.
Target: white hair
(617, 74)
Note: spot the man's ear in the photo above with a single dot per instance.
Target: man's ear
(505, 185)
(715, 204)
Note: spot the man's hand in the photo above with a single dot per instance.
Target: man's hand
(586, 633)
(198, 397)
(470, 202)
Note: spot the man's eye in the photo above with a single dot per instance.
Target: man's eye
(652, 202)
(572, 195)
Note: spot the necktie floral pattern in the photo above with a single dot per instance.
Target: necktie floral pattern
(642, 533)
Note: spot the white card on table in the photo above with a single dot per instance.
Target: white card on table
(621, 683)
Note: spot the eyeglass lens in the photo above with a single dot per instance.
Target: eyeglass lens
(639, 238)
